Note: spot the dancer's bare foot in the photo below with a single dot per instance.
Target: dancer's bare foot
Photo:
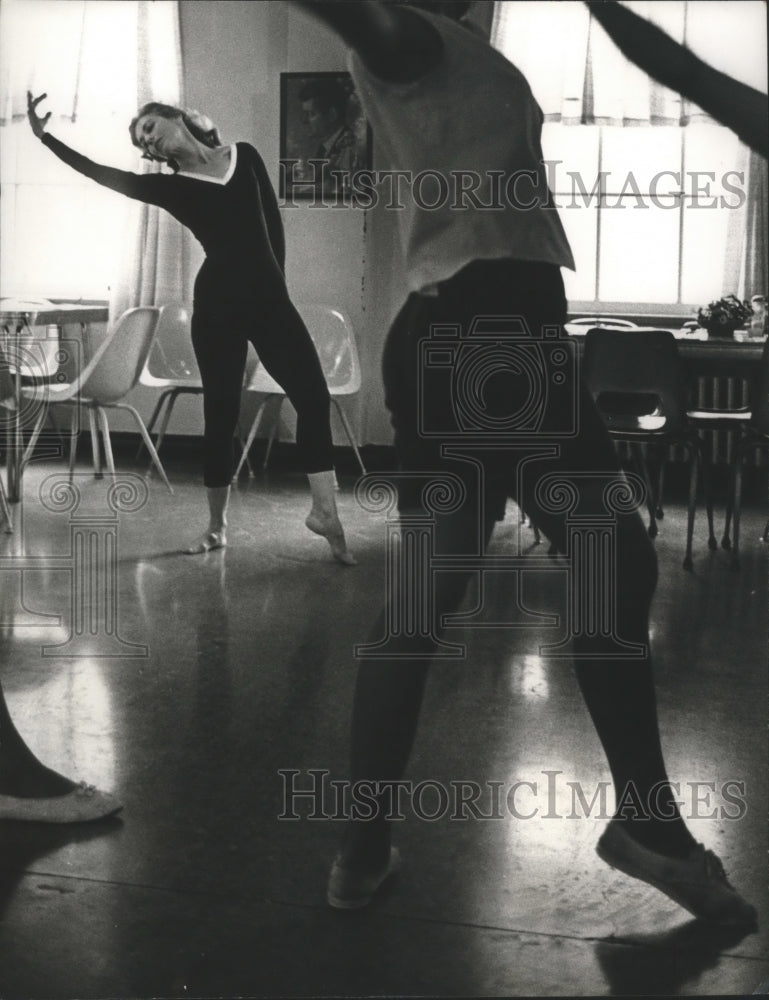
(330, 527)
(210, 540)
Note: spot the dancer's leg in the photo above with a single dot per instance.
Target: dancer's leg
(389, 692)
(620, 695)
(220, 349)
(287, 352)
(618, 691)
(323, 518)
(215, 537)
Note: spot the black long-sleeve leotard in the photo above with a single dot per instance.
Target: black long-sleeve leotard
(240, 296)
(237, 223)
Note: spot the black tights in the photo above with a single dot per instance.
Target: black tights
(220, 336)
(618, 691)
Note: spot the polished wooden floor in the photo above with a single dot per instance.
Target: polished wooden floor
(188, 684)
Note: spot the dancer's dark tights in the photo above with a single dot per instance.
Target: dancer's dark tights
(221, 332)
(21, 773)
(619, 692)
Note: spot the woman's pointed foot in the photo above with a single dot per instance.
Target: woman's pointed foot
(207, 542)
(331, 529)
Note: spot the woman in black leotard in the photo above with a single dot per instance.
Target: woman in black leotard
(224, 196)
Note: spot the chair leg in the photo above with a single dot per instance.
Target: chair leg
(162, 398)
(243, 451)
(147, 441)
(693, 470)
(348, 431)
(95, 449)
(33, 437)
(659, 510)
(707, 483)
(166, 419)
(74, 433)
(737, 508)
(250, 439)
(643, 469)
(273, 433)
(726, 542)
(101, 415)
(6, 510)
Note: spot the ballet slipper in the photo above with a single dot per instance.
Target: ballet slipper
(83, 804)
(207, 543)
(331, 529)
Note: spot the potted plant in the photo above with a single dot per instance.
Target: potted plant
(722, 317)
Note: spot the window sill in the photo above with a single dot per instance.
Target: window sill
(655, 314)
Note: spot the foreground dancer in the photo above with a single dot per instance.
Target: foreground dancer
(33, 792)
(224, 196)
(425, 83)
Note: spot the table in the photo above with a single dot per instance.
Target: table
(714, 369)
(16, 315)
(722, 358)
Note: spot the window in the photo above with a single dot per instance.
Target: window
(647, 210)
(62, 235)
(655, 210)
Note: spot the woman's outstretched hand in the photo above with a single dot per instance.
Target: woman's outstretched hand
(36, 122)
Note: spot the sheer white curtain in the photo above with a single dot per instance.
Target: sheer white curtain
(579, 76)
(98, 60)
(746, 272)
(153, 267)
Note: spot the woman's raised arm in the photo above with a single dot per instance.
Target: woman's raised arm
(148, 188)
(36, 122)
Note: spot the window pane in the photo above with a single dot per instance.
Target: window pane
(44, 264)
(710, 150)
(581, 225)
(644, 154)
(730, 35)
(704, 253)
(638, 255)
(576, 147)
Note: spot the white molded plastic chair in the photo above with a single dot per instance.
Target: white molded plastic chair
(108, 377)
(334, 339)
(171, 365)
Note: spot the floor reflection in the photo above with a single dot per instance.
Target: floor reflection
(668, 963)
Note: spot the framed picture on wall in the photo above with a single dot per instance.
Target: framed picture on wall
(324, 137)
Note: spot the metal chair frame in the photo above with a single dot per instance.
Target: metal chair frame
(643, 368)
